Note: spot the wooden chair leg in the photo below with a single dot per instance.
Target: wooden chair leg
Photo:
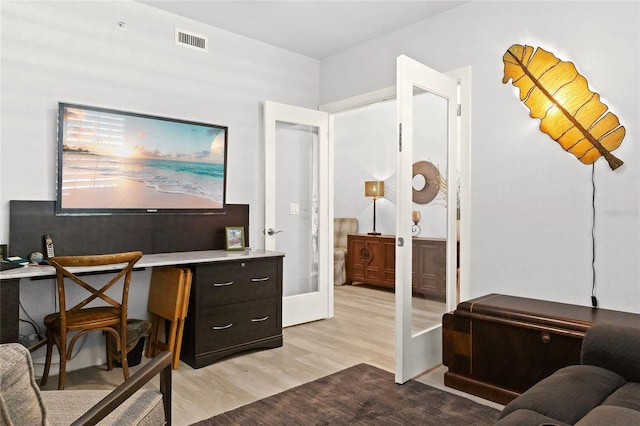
(109, 352)
(123, 354)
(62, 349)
(47, 362)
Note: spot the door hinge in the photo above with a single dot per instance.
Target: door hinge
(459, 112)
(400, 136)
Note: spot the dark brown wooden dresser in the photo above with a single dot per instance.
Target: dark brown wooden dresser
(371, 259)
(429, 267)
(498, 346)
(234, 306)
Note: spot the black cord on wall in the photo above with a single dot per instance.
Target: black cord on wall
(594, 300)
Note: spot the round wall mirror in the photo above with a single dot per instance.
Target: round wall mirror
(426, 182)
(419, 182)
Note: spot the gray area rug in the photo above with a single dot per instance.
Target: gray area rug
(359, 395)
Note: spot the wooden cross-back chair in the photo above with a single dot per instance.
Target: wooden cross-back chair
(168, 304)
(110, 318)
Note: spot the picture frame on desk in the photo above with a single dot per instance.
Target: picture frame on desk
(234, 237)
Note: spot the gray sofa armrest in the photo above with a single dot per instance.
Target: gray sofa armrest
(159, 364)
(615, 347)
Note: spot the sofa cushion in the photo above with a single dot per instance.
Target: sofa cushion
(568, 394)
(624, 359)
(523, 417)
(142, 408)
(20, 401)
(628, 396)
(610, 416)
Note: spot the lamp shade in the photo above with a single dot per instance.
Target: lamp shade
(373, 188)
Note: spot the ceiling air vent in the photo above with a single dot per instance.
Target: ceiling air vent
(192, 40)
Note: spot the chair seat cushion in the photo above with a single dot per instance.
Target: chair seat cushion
(142, 408)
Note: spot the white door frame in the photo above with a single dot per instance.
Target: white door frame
(416, 353)
(463, 77)
(317, 305)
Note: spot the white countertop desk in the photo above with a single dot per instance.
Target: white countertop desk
(10, 280)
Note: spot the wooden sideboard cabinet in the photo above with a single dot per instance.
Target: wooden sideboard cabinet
(498, 346)
(233, 306)
(371, 259)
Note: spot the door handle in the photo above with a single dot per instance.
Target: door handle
(271, 231)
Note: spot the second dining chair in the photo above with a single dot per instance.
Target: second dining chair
(110, 316)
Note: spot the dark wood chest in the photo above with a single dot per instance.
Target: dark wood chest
(498, 346)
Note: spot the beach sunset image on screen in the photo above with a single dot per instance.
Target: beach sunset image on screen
(112, 160)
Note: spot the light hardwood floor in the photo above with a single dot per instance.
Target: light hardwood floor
(362, 331)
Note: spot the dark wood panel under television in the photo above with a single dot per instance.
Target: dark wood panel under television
(94, 234)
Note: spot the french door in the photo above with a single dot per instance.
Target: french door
(427, 110)
(297, 206)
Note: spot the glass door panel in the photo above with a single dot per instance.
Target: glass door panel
(429, 214)
(297, 206)
(297, 193)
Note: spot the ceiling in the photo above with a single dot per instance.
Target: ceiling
(317, 29)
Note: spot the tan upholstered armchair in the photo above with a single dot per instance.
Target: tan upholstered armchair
(341, 228)
(22, 402)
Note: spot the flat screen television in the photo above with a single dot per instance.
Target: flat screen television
(118, 162)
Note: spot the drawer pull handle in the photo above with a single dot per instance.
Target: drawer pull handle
(260, 319)
(258, 280)
(222, 327)
(222, 284)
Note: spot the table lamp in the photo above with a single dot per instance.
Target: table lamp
(374, 189)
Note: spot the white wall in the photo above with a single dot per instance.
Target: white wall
(530, 201)
(365, 149)
(73, 51)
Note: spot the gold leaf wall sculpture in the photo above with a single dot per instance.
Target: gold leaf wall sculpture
(559, 96)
